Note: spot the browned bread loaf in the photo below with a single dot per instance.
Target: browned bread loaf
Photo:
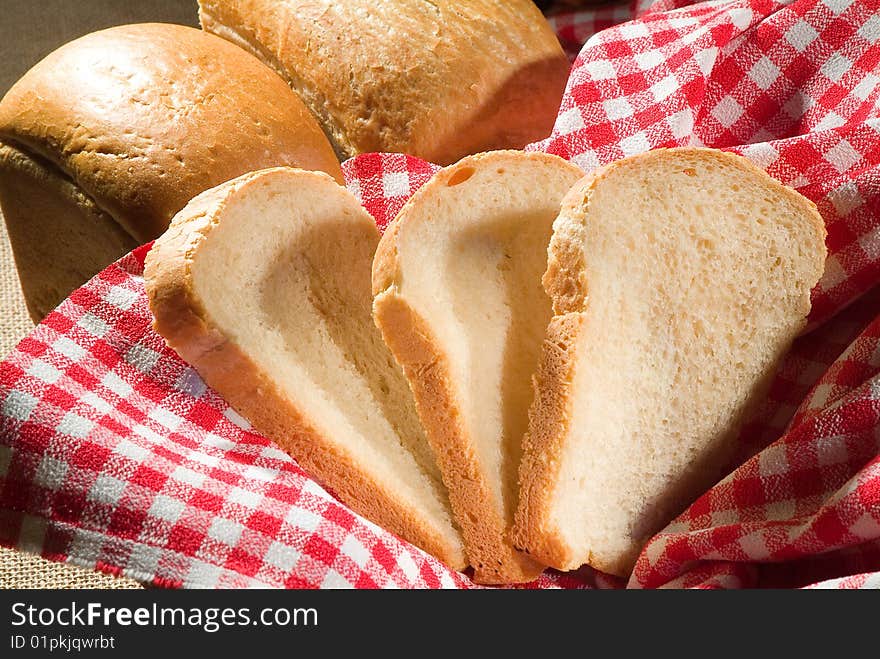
(110, 135)
(439, 80)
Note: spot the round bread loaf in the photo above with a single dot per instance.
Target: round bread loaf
(439, 80)
(105, 139)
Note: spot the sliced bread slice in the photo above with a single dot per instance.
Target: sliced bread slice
(679, 278)
(263, 285)
(457, 285)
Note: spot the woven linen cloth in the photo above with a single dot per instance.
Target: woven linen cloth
(115, 455)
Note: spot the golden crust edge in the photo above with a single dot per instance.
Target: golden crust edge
(492, 555)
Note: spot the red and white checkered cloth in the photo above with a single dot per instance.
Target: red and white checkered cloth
(114, 454)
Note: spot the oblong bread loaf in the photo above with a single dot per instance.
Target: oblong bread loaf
(107, 137)
(438, 80)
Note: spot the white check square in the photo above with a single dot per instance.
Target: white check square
(257, 473)
(69, 349)
(218, 442)
(664, 88)
(332, 579)
(166, 417)
(50, 473)
(408, 566)
(245, 497)
(355, 550)
(835, 67)
(649, 59)
(281, 556)
(97, 402)
(167, 508)
(74, 425)
(600, 69)
(203, 575)
(107, 489)
(569, 121)
(117, 385)
(842, 156)
(303, 519)
(237, 419)
(225, 530)
(395, 184)
(44, 371)
(93, 325)
(870, 29)
(19, 405)
(617, 108)
(764, 73)
(801, 35)
(870, 244)
(142, 358)
(130, 450)
(186, 475)
(681, 124)
(636, 144)
(145, 558)
(727, 111)
(120, 297)
(830, 121)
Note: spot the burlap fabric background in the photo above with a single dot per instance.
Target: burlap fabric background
(29, 31)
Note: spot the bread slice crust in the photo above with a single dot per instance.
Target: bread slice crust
(182, 319)
(417, 348)
(536, 528)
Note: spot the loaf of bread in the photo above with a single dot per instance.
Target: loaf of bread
(263, 285)
(110, 135)
(457, 286)
(678, 278)
(438, 80)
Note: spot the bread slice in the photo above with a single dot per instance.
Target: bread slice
(263, 285)
(679, 278)
(457, 285)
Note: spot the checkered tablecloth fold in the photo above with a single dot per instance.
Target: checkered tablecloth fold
(115, 455)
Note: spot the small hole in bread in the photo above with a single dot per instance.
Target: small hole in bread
(690, 171)
(460, 176)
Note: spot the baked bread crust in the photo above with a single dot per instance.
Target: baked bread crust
(181, 318)
(140, 119)
(438, 80)
(535, 529)
(42, 208)
(427, 367)
(410, 339)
